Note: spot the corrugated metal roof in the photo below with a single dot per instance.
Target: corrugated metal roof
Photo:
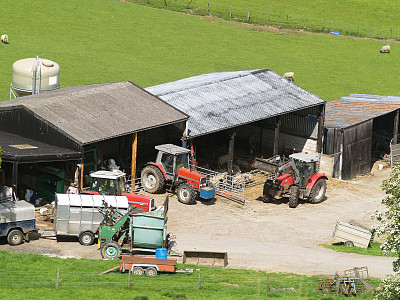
(90, 113)
(357, 108)
(218, 101)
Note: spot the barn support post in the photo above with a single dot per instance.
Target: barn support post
(320, 130)
(261, 136)
(15, 176)
(184, 136)
(134, 157)
(231, 152)
(396, 127)
(81, 179)
(276, 136)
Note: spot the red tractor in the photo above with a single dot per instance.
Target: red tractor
(114, 183)
(294, 177)
(172, 169)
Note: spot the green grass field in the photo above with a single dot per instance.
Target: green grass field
(33, 276)
(108, 41)
(373, 249)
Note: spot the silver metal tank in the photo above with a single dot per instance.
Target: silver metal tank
(33, 76)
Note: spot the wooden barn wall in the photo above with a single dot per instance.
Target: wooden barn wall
(23, 123)
(357, 143)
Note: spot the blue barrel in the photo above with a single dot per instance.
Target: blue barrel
(161, 253)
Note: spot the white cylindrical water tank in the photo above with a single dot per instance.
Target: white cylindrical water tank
(35, 75)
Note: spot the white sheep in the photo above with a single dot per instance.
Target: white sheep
(385, 49)
(289, 76)
(4, 38)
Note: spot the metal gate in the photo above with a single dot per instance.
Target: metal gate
(230, 187)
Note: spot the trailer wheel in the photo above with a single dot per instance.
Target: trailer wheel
(267, 197)
(318, 191)
(138, 271)
(86, 238)
(111, 250)
(186, 193)
(151, 271)
(152, 179)
(294, 196)
(15, 237)
(349, 244)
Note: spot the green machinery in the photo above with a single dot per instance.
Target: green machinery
(51, 181)
(133, 231)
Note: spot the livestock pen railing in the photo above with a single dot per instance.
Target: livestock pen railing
(273, 18)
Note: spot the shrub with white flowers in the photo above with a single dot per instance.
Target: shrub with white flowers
(390, 225)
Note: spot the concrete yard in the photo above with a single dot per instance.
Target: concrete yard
(265, 236)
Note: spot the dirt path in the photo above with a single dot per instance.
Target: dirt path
(266, 236)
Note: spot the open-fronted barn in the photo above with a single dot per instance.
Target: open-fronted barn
(245, 105)
(44, 136)
(359, 129)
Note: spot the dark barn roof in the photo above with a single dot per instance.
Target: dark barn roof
(218, 101)
(21, 149)
(91, 113)
(357, 108)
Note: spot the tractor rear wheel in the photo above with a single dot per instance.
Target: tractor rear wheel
(294, 196)
(318, 191)
(111, 250)
(186, 193)
(267, 197)
(152, 179)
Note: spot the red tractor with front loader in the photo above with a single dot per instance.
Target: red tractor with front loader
(172, 170)
(295, 177)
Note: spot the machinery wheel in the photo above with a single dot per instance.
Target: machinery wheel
(318, 191)
(294, 196)
(86, 238)
(267, 197)
(151, 271)
(349, 244)
(152, 179)
(15, 237)
(186, 193)
(137, 271)
(111, 250)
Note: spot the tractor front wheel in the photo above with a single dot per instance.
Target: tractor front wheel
(294, 196)
(186, 193)
(152, 179)
(267, 197)
(318, 191)
(111, 250)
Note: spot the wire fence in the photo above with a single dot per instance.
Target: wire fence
(277, 19)
(261, 285)
(191, 282)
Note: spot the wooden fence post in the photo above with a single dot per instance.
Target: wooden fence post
(268, 283)
(129, 278)
(340, 27)
(322, 25)
(287, 19)
(370, 32)
(303, 20)
(248, 15)
(58, 278)
(267, 16)
(199, 280)
(230, 12)
(390, 32)
(208, 6)
(358, 29)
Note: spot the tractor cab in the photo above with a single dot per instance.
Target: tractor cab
(172, 158)
(108, 182)
(306, 164)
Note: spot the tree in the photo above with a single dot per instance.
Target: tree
(390, 226)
